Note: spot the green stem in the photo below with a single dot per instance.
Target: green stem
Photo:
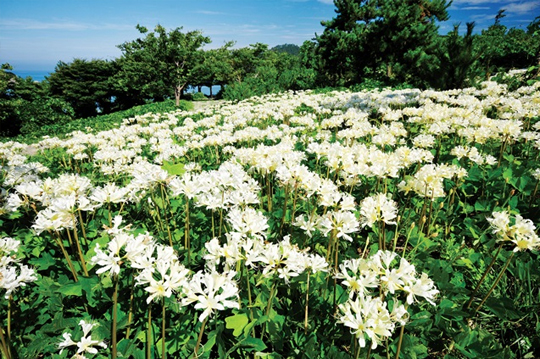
(187, 244)
(307, 306)
(83, 230)
(5, 345)
(10, 302)
(149, 333)
(358, 347)
(165, 199)
(495, 284)
(130, 314)
(163, 326)
(271, 298)
(484, 276)
(199, 338)
(81, 256)
(400, 341)
(70, 264)
(114, 318)
(407, 240)
(284, 210)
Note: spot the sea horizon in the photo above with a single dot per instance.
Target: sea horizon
(36, 75)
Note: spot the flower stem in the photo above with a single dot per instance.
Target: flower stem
(495, 284)
(149, 332)
(163, 322)
(199, 338)
(114, 318)
(400, 341)
(130, 314)
(187, 244)
(81, 256)
(483, 277)
(5, 345)
(10, 302)
(307, 306)
(66, 255)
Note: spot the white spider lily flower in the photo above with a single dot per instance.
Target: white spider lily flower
(85, 344)
(211, 292)
(422, 287)
(378, 208)
(367, 318)
(522, 232)
(342, 222)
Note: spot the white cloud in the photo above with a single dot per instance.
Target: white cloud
(523, 7)
(475, 8)
(28, 24)
(330, 2)
(208, 12)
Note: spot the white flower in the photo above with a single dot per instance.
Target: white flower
(211, 292)
(378, 208)
(85, 344)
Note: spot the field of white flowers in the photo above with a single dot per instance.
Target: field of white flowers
(379, 224)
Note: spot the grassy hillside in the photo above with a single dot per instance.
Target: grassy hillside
(100, 123)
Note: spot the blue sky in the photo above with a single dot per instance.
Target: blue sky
(36, 34)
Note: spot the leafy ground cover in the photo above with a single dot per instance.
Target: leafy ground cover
(99, 123)
(367, 224)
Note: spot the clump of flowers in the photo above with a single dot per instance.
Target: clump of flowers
(518, 230)
(85, 345)
(13, 275)
(428, 181)
(384, 275)
(378, 208)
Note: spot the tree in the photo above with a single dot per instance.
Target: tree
(394, 39)
(290, 49)
(26, 105)
(501, 49)
(86, 85)
(161, 64)
(457, 59)
(215, 69)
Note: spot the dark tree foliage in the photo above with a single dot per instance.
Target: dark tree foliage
(457, 59)
(500, 49)
(214, 69)
(160, 65)
(86, 85)
(257, 70)
(26, 105)
(290, 49)
(392, 39)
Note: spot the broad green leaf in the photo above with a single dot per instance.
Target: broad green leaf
(74, 289)
(237, 323)
(173, 168)
(254, 343)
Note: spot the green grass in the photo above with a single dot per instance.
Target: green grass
(99, 123)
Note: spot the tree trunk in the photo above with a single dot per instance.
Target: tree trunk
(178, 94)
(211, 95)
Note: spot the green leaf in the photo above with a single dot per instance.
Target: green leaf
(74, 289)
(503, 308)
(173, 168)
(237, 322)
(43, 262)
(254, 343)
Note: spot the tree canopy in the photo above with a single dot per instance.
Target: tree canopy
(392, 38)
(161, 64)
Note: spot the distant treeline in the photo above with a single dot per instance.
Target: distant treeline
(368, 43)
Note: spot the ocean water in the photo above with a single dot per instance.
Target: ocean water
(39, 75)
(36, 75)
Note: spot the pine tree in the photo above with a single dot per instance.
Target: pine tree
(392, 39)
